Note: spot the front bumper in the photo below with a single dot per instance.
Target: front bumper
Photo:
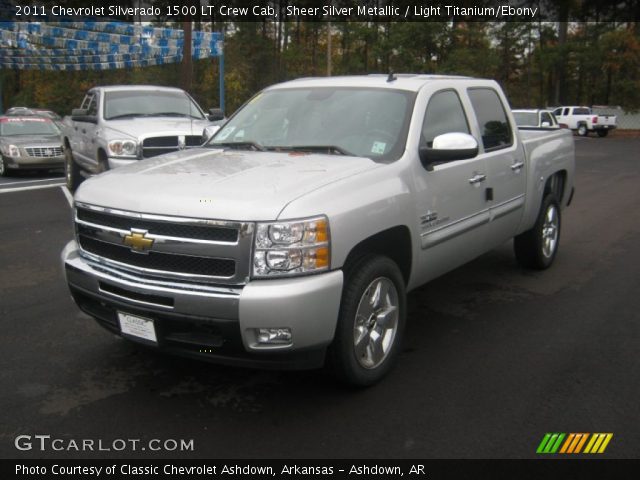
(33, 163)
(215, 323)
(120, 162)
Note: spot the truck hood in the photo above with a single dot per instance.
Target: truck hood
(217, 184)
(139, 127)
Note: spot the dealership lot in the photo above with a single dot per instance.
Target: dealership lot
(495, 356)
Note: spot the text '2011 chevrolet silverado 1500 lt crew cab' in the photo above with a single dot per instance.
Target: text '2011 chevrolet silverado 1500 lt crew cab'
(293, 236)
(121, 124)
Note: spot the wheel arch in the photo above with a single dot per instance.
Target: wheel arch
(394, 243)
(556, 184)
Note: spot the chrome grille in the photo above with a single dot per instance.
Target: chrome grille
(154, 146)
(44, 151)
(203, 232)
(186, 249)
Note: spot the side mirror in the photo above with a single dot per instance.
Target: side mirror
(215, 114)
(209, 132)
(80, 115)
(448, 147)
(545, 124)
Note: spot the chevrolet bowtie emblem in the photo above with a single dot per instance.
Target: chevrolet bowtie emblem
(138, 242)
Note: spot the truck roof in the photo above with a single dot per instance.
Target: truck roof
(114, 88)
(402, 81)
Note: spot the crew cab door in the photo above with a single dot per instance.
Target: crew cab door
(89, 129)
(563, 116)
(83, 135)
(451, 208)
(505, 163)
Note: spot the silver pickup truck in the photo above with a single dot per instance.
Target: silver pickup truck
(292, 238)
(120, 124)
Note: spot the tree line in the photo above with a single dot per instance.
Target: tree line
(537, 63)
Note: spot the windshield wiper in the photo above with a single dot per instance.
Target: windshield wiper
(328, 149)
(240, 145)
(128, 115)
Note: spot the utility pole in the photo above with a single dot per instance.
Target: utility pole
(329, 49)
(186, 70)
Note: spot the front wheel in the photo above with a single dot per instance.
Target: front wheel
(371, 321)
(537, 248)
(71, 171)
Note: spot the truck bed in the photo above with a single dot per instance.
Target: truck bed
(546, 151)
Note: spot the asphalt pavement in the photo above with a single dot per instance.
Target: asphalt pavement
(495, 356)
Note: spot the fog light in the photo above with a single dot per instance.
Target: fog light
(274, 336)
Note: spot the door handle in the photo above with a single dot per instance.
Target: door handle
(517, 166)
(477, 178)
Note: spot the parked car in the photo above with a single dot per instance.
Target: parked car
(119, 125)
(38, 112)
(536, 118)
(29, 143)
(582, 120)
(292, 238)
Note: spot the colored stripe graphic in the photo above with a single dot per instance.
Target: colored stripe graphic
(581, 442)
(598, 442)
(574, 443)
(550, 443)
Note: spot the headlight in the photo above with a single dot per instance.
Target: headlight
(291, 248)
(10, 150)
(123, 148)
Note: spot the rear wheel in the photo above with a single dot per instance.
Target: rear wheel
(371, 321)
(537, 248)
(71, 171)
(4, 171)
(603, 133)
(582, 130)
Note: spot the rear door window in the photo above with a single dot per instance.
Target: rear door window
(492, 118)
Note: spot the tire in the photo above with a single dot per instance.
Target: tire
(537, 248)
(582, 130)
(4, 171)
(373, 285)
(603, 133)
(103, 163)
(71, 171)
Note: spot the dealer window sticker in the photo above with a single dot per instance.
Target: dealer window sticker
(378, 148)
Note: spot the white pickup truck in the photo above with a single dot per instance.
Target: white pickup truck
(584, 121)
(293, 236)
(120, 124)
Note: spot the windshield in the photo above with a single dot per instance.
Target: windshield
(526, 119)
(31, 126)
(365, 122)
(149, 103)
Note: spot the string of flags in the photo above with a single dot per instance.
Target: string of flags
(95, 45)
